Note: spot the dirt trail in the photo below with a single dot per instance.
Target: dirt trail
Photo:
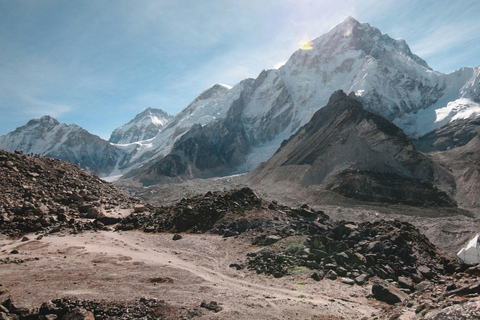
(129, 265)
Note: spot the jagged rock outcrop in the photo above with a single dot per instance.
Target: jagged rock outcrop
(348, 150)
(41, 194)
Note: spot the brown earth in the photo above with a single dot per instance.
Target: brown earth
(125, 266)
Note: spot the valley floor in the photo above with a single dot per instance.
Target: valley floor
(125, 266)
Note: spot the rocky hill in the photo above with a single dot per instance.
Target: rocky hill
(455, 147)
(46, 195)
(348, 150)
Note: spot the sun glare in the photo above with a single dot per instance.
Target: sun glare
(305, 43)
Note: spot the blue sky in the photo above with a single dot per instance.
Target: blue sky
(98, 63)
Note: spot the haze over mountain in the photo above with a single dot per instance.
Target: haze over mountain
(228, 130)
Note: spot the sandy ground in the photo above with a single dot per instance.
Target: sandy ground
(123, 266)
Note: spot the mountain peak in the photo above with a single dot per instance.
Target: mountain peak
(144, 126)
(350, 22)
(351, 34)
(47, 119)
(216, 89)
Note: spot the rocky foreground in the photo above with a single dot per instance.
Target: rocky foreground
(403, 274)
(41, 194)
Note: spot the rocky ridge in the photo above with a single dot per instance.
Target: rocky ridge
(41, 194)
(72, 308)
(355, 153)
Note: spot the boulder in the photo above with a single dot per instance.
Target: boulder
(386, 292)
(79, 314)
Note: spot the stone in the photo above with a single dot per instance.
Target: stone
(332, 275)
(271, 239)
(317, 276)
(42, 209)
(426, 272)
(312, 265)
(138, 208)
(177, 237)
(386, 292)
(359, 258)
(361, 279)
(96, 213)
(213, 306)
(79, 314)
(347, 281)
(76, 197)
(405, 283)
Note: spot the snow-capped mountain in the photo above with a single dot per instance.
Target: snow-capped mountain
(48, 137)
(144, 126)
(388, 78)
(227, 130)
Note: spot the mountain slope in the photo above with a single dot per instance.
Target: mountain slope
(455, 147)
(348, 150)
(388, 78)
(144, 126)
(48, 137)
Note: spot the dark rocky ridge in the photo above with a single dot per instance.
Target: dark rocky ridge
(41, 194)
(455, 148)
(455, 134)
(202, 152)
(73, 308)
(348, 150)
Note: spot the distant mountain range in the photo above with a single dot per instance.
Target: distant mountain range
(228, 130)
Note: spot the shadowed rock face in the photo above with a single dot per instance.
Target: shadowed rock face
(346, 149)
(455, 148)
(201, 152)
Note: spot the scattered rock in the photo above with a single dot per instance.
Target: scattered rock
(61, 192)
(177, 237)
(213, 306)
